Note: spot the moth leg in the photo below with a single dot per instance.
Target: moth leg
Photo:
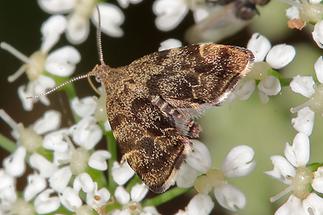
(183, 123)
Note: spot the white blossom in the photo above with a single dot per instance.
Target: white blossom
(169, 44)
(121, 173)
(80, 13)
(60, 62)
(318, 34)
(292, 171)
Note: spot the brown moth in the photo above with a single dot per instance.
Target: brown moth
(152, 102)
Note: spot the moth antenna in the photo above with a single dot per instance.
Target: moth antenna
(98, 37)
(49, 91)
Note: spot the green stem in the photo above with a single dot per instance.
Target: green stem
(165, 197)
(7, 144)
(112, 148)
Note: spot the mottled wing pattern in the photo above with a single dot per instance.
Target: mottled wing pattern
(148, 102)
(147, 137)
(199, 74)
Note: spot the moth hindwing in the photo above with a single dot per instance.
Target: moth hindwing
(152, 103)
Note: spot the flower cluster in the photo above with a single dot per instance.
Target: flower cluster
(68, 171)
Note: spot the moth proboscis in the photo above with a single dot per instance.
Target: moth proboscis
(152, 103)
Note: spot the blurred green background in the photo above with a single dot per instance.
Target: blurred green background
(265, 127)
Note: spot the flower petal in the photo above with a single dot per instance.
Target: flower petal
(245, 89)
(239, 161)
(46, 202)
(280, 56)
(313, 204)
(199, 158)
(60, 178)
(42, 165)
(318, 67)
(78, 28)
(121, 173)
(56, 6)
(138, 192)
(70, 199)
(61, 62)
(318, 34)
(125, 3)
(298, 154)
(201, 204)
(303, 85)
(200, 13)
(169, 13)
(121, 195)
(304, 121)
(270, 86)
(283, 170)
(14, 164)
(6, 180)
(55, 141)
(23, 93)
(259, 46)
(84, 182)
(169, 44)
(51, 31)
(292, 12)
(98, 160)
(86, 133)
(186, 176)
(292, 206)
(98, 198)
(84, 107)
(230, 197)
(35, 184)
(49, 122)
(317, 182)
(111, 19)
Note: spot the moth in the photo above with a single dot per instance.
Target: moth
(225, 18)
(153, 102)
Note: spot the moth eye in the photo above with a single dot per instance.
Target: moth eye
(98, 79)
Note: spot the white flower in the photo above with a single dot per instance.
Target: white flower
(259, 45)
(169, 13)
(49, 122)
(169, 44)
(201, 204)
(276, 57)
(239, 162)
(125, 3)
(98, 159)
(46, 202)
(131, 202)
(80, 12)
(306, 86)
(197, 162)
(35, 185)
(60, 62)
(318, 34)
(121, 173)
(70, 199)
(280, 56)
(14, 164)
(304, 121)
(84, 107)
(292, 171)
(42, 165)
(97, 198)
(60, 179)
(86, 133)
